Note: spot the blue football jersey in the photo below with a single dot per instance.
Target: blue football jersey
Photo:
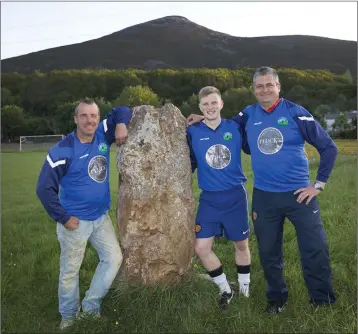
(74, 178)
(276, 140)
(217, 155)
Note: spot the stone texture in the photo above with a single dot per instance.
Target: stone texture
(156, 206)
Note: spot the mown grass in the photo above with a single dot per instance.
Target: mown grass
(30, 266)
(345, 147)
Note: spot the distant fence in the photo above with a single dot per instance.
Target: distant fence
(8, 147)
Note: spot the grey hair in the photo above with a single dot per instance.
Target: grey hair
(264, 70)
(85, 101)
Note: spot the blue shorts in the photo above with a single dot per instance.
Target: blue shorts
(223, 211)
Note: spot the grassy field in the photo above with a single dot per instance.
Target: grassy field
(30, 267)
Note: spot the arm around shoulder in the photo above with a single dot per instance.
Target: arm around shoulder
(115, 124)
(241, 120)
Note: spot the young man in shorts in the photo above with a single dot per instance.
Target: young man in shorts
(215, 146)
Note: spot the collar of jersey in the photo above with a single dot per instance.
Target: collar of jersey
(74, 133)
(207, 127)
(273, 107)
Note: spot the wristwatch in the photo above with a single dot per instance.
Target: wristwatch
(318, 186)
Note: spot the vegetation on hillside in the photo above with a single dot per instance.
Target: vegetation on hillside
(42, 103)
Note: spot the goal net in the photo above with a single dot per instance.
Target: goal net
(38, 143)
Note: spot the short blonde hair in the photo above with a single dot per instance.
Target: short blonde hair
(207, 91)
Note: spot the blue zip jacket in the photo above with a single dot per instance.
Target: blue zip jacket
(276, 140)
(74, 179)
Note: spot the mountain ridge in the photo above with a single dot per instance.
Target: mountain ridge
(176, 42)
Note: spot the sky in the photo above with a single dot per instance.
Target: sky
(32, 26)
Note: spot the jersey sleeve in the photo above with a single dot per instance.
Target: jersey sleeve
(314, 134)
(193, 161)
(241, 119)
(47, 189)
(116, 116)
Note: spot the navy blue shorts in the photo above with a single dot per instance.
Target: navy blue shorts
(223, 211)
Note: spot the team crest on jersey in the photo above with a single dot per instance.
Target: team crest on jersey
(254, 215)
(102, 147)
(282, 121)
(218, 156)
(270, 141)
(197, 228)
(97, 168)
(227, 136)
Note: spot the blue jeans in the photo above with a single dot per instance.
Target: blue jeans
(101, 234)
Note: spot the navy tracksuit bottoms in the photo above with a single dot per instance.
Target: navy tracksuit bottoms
(269, 210)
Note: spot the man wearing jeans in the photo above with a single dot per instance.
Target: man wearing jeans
(79, 165)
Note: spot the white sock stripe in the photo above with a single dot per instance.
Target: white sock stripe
(244, 278)
(54, 164)
(222, 283)
(305, 118)
(220, 279)
(245, 289)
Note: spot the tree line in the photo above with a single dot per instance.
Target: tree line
(43, 103)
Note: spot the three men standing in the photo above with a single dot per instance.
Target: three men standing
(276, 131)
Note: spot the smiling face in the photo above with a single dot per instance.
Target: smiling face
(266, 90)
(211, 106)
(87, 120)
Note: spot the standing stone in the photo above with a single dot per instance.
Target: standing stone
(156, 206)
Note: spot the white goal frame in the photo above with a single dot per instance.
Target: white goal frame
(24, 138)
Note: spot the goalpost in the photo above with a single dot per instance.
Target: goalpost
(38, 143)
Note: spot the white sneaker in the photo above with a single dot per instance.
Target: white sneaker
(66, 323)
(244, 289)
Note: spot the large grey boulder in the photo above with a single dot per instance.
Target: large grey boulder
(155, 208)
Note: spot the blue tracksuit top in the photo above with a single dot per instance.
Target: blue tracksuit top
(80, 172)
(217, 155)
(276, 140)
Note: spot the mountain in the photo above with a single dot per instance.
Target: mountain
(175, 42)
